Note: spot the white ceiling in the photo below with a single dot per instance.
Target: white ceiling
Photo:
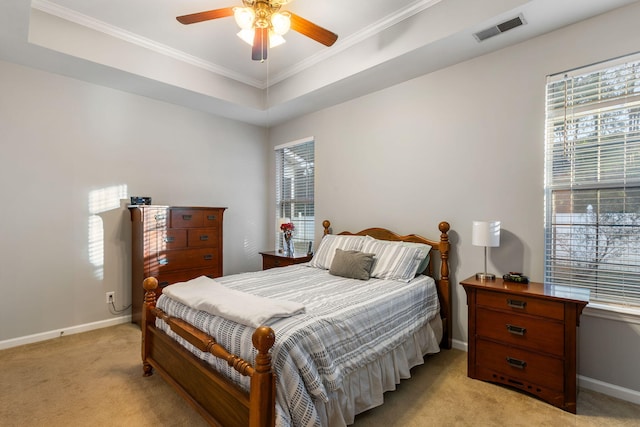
(138, 46)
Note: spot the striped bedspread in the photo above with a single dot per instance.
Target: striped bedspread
(347, 324)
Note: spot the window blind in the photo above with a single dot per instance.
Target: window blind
(592, 180)
(295, 171)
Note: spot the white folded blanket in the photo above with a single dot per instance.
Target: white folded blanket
(203, 293)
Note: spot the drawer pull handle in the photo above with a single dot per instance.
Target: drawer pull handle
(211, 217)
(163, 284)
(516, 330)
(514, 303)
(169, 239)
(160, 217)
(163, 261)
(187, 217)
(516, 363)
(208, 257)
(204, 238)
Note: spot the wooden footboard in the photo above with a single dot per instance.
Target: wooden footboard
(216, 398)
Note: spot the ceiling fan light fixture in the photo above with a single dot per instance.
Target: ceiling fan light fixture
(262, 25)
(245, 16)
(281, 23)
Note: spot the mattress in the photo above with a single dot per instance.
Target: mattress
(355, 340)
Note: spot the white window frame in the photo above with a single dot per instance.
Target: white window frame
(592, 182)
(295, 192)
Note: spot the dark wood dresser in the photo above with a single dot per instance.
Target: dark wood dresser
(524, 336)
(173, 244)
(271, 259)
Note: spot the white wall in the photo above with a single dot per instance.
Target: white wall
(64, 144)
(461, 144)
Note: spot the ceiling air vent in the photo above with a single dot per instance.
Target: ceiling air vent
(500, 28)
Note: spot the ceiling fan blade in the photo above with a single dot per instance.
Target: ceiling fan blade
(205, 16)
(313, 31)
(260, 41)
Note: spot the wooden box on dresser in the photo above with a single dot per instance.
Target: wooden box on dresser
(173, 244)
(524, 336)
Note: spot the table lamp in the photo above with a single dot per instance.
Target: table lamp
(487, 234)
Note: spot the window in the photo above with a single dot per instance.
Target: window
(592, 181)
(295, 169)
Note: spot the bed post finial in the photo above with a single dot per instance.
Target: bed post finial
(150, 285)
(444, 249)
(327, 226)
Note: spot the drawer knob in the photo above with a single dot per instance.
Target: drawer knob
(516, 330)
(516, 363)
(514, 303)
(204, 237)
(208, 257)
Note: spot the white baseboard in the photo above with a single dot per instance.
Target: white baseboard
(43, 336)
(612, 390)
(459, 345)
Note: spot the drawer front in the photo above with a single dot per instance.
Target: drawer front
(187, 218)
(167, 261)
(521, 304)
(521, 364)
(276, 261)
(156, 218)
(535, 333)
(162, 240)
(202, 237)
(212, 218)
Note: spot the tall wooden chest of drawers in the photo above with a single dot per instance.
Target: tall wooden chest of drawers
(524, 336)
(173, 244)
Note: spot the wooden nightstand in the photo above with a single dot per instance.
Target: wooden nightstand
(273, 259)
(524, 336)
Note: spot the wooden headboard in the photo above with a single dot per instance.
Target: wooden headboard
(442, 279)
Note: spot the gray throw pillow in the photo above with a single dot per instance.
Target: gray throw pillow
(351, 264)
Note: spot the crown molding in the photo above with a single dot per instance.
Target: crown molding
(127, 36)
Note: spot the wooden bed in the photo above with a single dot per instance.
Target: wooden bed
(216, 398)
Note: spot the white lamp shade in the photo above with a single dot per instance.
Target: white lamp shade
(248, 35)
(244, 17)
(485, 233)
(281, 22)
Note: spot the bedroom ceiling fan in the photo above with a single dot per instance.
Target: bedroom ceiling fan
(262, 24)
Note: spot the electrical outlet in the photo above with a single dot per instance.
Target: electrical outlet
(111, 297)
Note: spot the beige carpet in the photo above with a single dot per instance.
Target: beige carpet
(95, 379)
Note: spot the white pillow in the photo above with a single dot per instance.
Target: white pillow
(327, 249)
(423, 247)
(393, 261)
